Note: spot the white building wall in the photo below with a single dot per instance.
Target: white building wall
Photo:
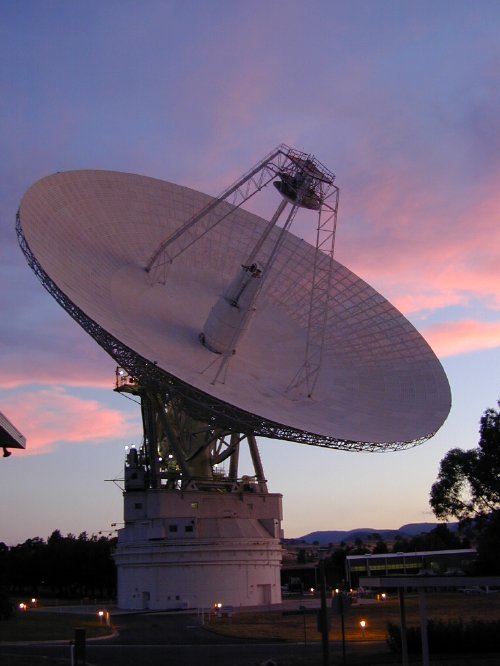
(230, 555)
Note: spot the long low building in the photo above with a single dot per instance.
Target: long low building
(430, 562)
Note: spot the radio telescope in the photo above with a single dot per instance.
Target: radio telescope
(227, 327)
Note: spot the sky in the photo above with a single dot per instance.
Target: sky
(400, 99)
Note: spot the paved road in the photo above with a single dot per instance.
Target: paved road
(164, 638)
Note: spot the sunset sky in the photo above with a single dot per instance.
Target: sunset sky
(400, 99)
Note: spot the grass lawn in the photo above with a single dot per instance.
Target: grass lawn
(446, 606)
(34, 625)
(274, 625)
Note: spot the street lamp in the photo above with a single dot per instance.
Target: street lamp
(362, 624)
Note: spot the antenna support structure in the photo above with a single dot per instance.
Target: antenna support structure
(196, 534)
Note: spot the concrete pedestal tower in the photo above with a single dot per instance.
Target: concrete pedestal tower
(195, 535)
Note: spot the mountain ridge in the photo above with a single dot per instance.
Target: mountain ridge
(407, 531)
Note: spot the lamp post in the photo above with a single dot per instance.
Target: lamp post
(323, 614)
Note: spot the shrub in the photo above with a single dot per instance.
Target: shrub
(6, 608)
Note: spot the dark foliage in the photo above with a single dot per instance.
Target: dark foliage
(468, 488)
(440, 538)
(380, 548)
(468, 484)
(6, 607)
(63, 566)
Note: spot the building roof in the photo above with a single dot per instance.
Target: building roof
(423, 553)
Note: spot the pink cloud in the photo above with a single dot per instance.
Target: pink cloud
(50, 417)
(460, 337)
(424, 248)
(54, 368)
(40, 345)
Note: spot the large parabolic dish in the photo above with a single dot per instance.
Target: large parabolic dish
(89, 236)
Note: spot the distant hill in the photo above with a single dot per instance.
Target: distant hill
(414, 529)
(367, 534)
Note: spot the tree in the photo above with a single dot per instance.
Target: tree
(301, 556)
(66, 566)
(468, 488)
(5, 603)
(468, 484)
(440, 538)
(335, 566)
(380, 548)
(359, 548)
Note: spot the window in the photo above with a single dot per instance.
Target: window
(172, 528)
(188, 528)
(138, 505)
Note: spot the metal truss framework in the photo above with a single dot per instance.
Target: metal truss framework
(195, 402)
(279, 161)
(185, 454)
(307, 375)
(305, 182)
